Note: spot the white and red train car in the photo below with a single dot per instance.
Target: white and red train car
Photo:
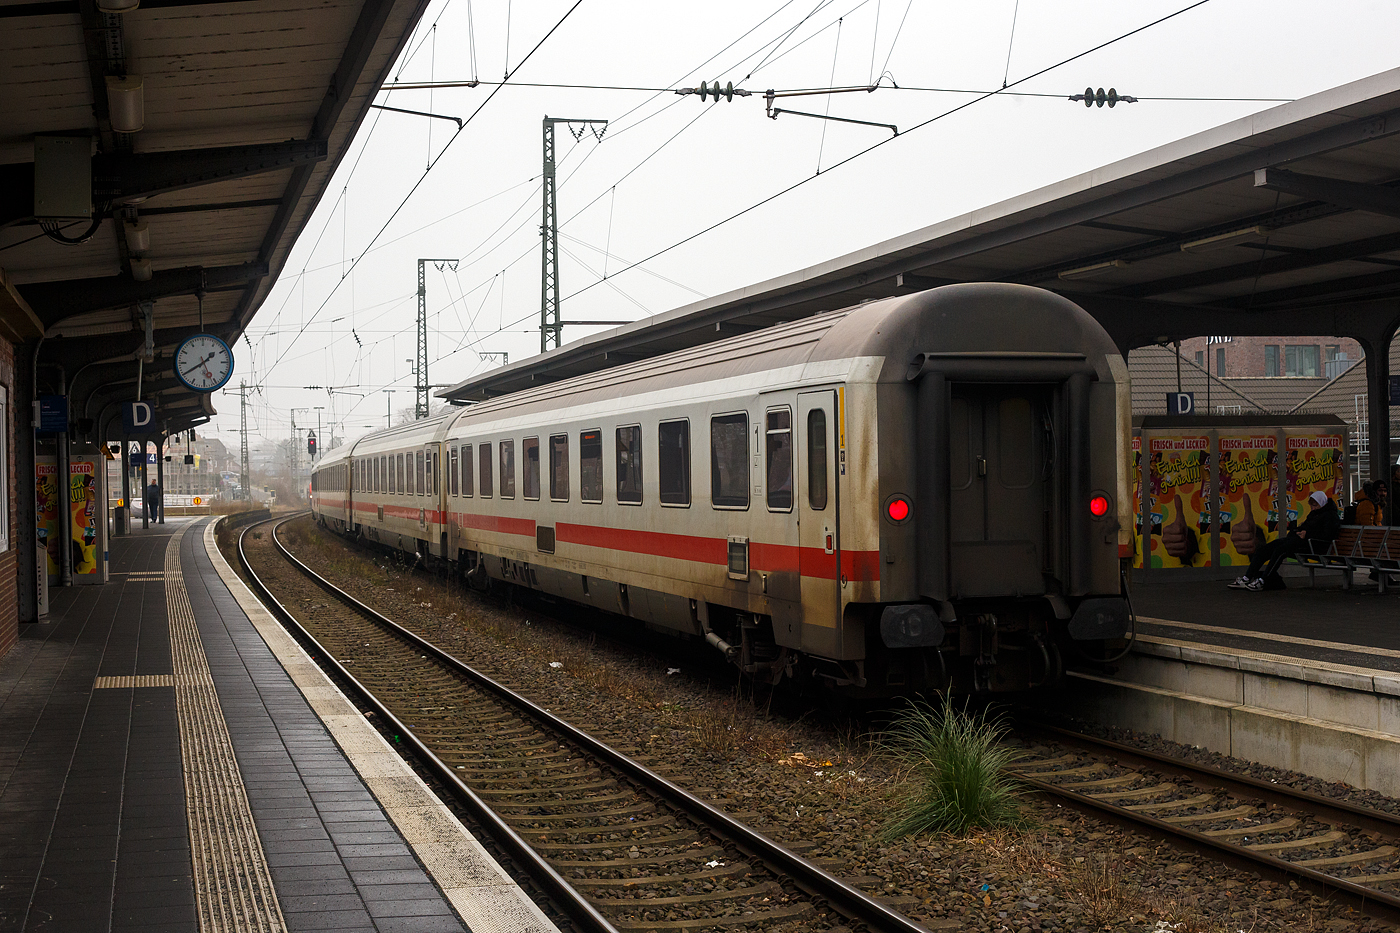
(919, 493)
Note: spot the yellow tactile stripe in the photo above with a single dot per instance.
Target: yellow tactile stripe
(232, 883)
(141, 680)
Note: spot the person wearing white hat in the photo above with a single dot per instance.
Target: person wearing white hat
(1318, 530)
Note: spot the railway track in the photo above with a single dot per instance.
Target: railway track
(1346, 852)
(620, 847)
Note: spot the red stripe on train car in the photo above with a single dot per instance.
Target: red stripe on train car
(659, 544)
(501, 523)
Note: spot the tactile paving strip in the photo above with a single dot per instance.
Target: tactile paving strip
(233, 886)
(141, 680)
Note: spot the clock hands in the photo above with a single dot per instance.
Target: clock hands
(199, 363)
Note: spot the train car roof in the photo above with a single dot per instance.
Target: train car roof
(879, 337)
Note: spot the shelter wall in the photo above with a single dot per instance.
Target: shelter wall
(9, 563)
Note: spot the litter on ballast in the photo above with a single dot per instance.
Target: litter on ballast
(556, 664)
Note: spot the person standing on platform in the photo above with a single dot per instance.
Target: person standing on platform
(1370, 505)
(153, 502)
(1319, 529)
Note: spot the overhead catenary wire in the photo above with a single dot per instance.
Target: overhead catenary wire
(918, 126)
(455, 136)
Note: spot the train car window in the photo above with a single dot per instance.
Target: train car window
(673, 457)
(419, 488)
(1016, 443)
(729, 461)
(452, 484)
(778, 452)
(404, 488)
(435, 461)
(590, 466)
(467, 470)
(507, 469)
(816, 459)
(629, 464)
(530, 478)
(484, 462)
(559, 467)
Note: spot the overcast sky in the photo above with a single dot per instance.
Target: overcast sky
(342, 315)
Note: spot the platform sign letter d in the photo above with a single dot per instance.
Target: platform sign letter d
(138, 417)
(1181, 403)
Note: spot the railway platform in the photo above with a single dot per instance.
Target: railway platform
(171, 760)
(1324, 623)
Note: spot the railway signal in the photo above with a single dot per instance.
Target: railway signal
(311, 444)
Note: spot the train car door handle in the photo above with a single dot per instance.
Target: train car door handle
(981, 466)
(830, 543)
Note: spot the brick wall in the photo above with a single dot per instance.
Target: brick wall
(9, 564)
(1244, 356)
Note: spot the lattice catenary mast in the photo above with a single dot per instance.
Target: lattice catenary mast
(420, 404)
(551, 327)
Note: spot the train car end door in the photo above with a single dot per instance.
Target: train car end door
(819, 537)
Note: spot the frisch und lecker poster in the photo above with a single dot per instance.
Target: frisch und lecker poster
(1248, 495)
(1179, 475)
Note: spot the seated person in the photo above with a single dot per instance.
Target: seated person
(1318, 530)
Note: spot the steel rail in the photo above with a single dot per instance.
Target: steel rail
(1368, 901)
(1341, 811)
(811, 878)
(574, 904)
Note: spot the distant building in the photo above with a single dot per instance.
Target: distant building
(1282, 357)
(204, 476)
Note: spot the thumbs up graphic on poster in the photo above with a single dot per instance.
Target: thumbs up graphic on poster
(1244, 533)
(1176, 537)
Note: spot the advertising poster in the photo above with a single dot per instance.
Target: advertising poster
(47, 511)
(1137, 502)
(82, 498)
(1248, 495)
(1179, 474)
(1314, 463)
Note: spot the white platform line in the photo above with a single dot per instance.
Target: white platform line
(487, 899)
(1272, 636)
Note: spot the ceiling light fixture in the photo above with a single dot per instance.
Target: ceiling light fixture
(117, 6)
(138, 235)
(1224, 239)
(1098, 268)
(126, 103)
(141, 269)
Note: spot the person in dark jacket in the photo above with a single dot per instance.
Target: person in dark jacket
(1318, 530)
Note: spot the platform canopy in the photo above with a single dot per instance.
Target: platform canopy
(244, 108)
(1286, 221)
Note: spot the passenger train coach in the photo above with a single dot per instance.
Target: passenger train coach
(920, 493)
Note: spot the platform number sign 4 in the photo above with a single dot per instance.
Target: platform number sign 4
(203, 363)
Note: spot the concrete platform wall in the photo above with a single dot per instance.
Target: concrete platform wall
(1333, 722)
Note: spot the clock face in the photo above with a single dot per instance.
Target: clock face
(203, 362)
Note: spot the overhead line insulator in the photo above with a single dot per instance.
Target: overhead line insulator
(705, 90)
(1112, 98)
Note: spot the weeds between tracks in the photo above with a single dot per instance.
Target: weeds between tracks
(960, 767)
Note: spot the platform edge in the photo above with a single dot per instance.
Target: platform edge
(481, 892)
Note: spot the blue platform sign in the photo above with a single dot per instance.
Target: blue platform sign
(138, 418)
(53, 413)
(1395, 390)
(1181, 403)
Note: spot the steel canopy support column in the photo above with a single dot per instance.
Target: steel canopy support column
(160, 478)
(1378, 409)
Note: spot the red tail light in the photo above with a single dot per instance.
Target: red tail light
(898, 509)
(1098, 506)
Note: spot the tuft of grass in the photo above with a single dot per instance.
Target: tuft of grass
(959, 767)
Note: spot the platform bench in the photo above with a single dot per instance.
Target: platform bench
(1358, 547)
